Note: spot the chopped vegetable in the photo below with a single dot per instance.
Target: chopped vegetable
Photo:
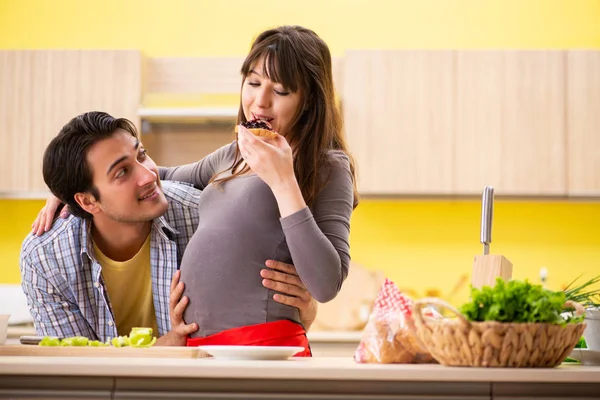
(97, 343)
(75, 341)
(138, 337)
(141, 337)
(50, 341)
(120, 341)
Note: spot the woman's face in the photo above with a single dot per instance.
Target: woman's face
(264, 99)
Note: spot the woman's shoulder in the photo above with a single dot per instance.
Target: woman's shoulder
(227, 151)
(223, 156)
(337, 159)
(336, 168)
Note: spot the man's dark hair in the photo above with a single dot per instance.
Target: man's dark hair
(65, 167)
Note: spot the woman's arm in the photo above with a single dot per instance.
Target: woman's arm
(319, 240)
(318, 243)
(200, 172)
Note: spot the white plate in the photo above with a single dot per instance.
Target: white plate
(586, 356)
(251, 352)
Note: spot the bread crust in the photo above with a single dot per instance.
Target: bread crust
(260, 132)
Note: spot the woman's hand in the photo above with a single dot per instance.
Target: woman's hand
(284, 279)
(43, 221)
(270, 159)
(273, 162)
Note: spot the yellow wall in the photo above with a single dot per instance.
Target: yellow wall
(226, 27)
(429, 244)
(419, 244)
(426, 244)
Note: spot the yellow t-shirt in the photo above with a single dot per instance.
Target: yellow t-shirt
(129, 287)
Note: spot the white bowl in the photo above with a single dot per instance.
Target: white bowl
(3, 327)
(592, 330)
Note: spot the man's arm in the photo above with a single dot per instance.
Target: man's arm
(53, 314)
(179, 332)
(283, 278)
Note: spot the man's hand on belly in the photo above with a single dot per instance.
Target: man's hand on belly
(283, 278)
(179, 332)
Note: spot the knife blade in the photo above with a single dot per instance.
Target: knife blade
(487, 211)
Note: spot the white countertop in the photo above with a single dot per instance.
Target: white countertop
(298, 368)
(334, 336)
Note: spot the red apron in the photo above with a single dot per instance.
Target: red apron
(278, 333)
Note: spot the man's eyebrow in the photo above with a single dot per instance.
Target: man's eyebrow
(120, 160)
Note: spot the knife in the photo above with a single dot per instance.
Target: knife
(487, 211)
(32, 339)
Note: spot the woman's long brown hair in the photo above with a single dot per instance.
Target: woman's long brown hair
(298, 59)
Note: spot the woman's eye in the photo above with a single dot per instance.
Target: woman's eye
(142, 154)
(282, 92)
(255, 84)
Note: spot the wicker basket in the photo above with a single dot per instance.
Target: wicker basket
(458, 342)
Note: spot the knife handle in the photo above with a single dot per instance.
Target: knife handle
(30, 339)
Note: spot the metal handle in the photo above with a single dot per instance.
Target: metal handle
(487, 214)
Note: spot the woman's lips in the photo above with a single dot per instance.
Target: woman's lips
(262, 117)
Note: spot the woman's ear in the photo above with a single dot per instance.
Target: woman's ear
(88, 202)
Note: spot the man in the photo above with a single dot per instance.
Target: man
(113, 264)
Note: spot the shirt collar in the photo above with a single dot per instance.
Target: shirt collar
(159, 224)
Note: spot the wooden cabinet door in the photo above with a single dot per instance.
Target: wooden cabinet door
(40, 91)
(398, 118)
(510, 122)
(583, 123)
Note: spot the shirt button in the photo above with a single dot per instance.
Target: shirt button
(110, 323)
(97, 284)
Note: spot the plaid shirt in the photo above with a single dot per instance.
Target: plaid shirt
(63, 280)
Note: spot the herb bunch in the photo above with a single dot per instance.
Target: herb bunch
(582, 294)
(517, 301)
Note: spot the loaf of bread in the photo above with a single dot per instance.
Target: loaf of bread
(389, 336)
(394, 344)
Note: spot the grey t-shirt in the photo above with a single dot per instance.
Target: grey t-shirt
(240, 228)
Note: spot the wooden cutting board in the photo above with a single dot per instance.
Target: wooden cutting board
(118, 352)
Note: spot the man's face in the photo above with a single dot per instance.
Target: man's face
(126, 179)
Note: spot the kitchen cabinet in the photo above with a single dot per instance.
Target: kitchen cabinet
(310, 378)
(510, 122)
(583, 123)
(399, 120)
(40, 91)
(436, 122)
(190, 105)
(171, 144)
(452, 122)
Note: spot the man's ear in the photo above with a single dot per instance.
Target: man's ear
(88, 202)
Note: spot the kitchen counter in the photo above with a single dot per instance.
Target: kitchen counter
(333, 343)
(324, 378)
(323, 343)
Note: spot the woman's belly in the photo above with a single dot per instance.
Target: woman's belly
(222, 262)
